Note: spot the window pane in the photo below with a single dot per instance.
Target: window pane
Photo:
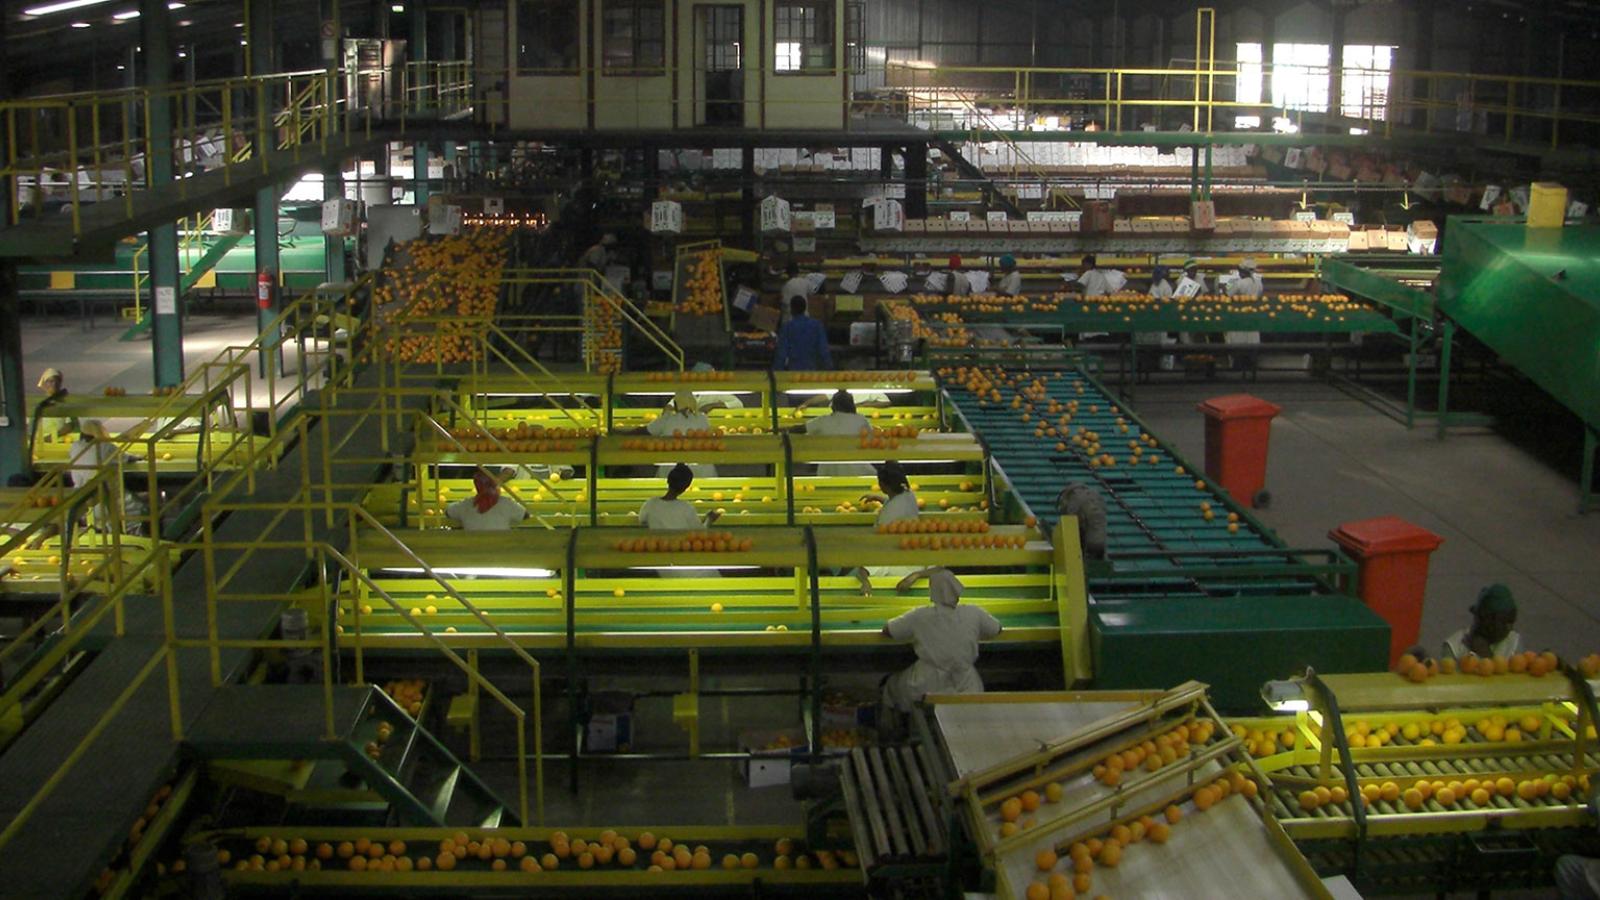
(1364, 83)
(547, 35)
(1247, 87)
(1300, 76)
(803, 35)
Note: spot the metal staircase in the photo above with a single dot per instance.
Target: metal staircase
(992, 194)
(377, 743)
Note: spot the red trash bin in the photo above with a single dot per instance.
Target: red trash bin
(1393, 575)
(1237, 429)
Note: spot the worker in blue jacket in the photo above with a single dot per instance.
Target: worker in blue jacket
(802, 341)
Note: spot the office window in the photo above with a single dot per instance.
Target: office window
(804, 35)
(1364, 83)
(1247, 84)
(1300, 77)
(547, 36)
(633, 34)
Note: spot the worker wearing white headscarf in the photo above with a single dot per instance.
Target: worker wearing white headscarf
(53, 428)
(680, 418)
(1248, 284)
(945, 636)
(842, 421)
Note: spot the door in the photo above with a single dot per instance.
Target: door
(719, 39)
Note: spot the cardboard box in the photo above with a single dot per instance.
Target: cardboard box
(609, 728)
(1096, 217)
(848, 711)
(764, 317)
(1396, 241)
(1358, 240)
(666, 217)
(775, 216)
(772, 755)
(915, 226)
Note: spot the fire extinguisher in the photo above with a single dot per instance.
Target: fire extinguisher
(264, 290)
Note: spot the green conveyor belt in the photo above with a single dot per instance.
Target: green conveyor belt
(1270, 315)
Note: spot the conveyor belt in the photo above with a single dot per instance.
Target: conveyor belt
(895, 803)
(1150, 506)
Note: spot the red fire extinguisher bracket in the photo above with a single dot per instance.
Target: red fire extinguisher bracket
(264, 288)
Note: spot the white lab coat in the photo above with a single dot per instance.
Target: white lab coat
(505, 513)
(900, 507)
(945, 636)
(1161, 290)
(959, 284)
(672, 423)
(837, 424)
(1100, 282)
(1010, 284)
(1244, 286)
(798, 286)
(661, 514)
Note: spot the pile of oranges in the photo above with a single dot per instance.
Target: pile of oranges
(700, 442)
(602, 336)
(899, 431)
(692, 541)
(44, 501)
(704, 294)
(870, 441)
(1107, 849)
(407, 694)
(934, 526)
(1528, 663)
(114, 391)
(1265, 741)
(688, 376)
(968, 542)
(455, 276)
(108, 876)
(1166, 748)
(848, 376)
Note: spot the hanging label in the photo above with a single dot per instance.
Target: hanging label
(166, 301)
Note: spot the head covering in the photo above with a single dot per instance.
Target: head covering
(608, 240)
(1496, 598)
(890, 475)
(842, 402)
(679, 478)
(1191, 263)
(684, 401)
(955, 261)
(1008, 262)
(944, 588)
(1090, 261)
(1159, 273)
(702, 366)
(1248, 264)
(93, 428)
(488, 491)
(48, 374)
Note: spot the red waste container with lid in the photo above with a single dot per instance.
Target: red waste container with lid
(1237, 429)
(1393, 558)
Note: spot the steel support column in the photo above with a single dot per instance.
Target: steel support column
(419, 174)
(166, 324)
(13, 392)
(266, 200)
(917, 181)
(333, 246)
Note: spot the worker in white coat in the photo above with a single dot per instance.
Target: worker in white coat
(798, 284)
(945, 636)
(1094, 281)
(842, 420)
(600, 254)
(679, 418)
(898, 505)
(486, 509)
(1247, 284)
(1160, 287)
(957, 283)
(670, 512)
(1009, 284)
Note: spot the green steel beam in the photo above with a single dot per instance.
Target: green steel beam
(333, 247)
(13, 392)
(166, 344)
(1351, 274)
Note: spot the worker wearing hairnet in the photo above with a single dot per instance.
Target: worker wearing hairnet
(945, 636)
(486, 509)
(841, 421)
(1491, 631)
(1247, 284)
(670, 512)
(1084, 503)
(1010, 281)
(681, 417)
(53, 428)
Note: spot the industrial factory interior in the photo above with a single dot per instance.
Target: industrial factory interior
(893, 449)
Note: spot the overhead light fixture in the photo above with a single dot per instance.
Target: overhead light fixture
(125, 15)
(182, 54)
(80, 25)
(397, 8)
(185, 23)
(48, 8)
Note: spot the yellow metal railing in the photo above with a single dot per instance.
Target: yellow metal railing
(101, 141)
(603, 307)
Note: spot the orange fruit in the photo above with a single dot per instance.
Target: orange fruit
(1045, 860)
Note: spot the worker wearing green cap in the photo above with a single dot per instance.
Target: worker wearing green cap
(1491, 633)
(1009, 284)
